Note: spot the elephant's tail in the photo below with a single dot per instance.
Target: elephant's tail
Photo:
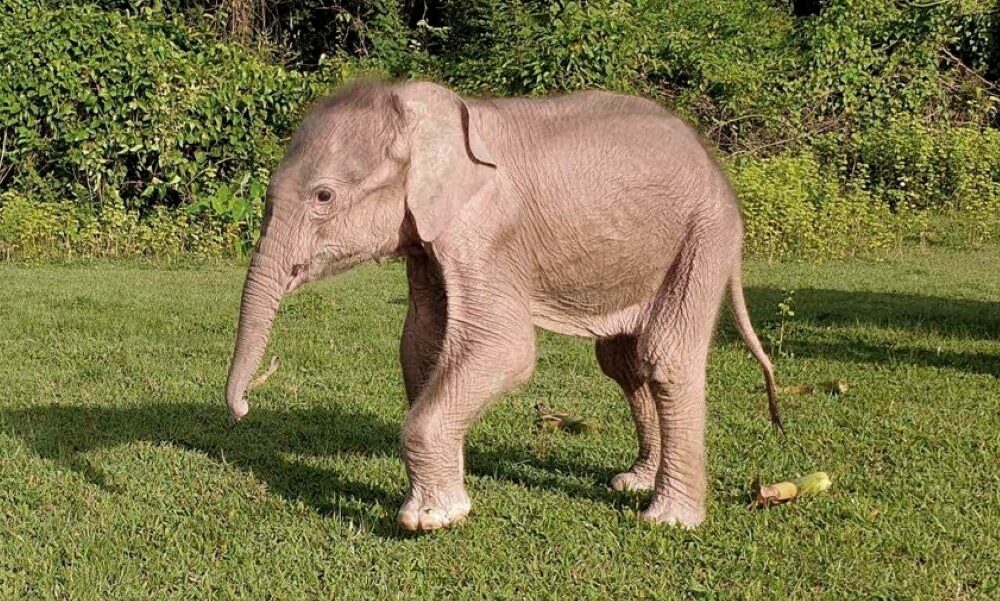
(742, 318)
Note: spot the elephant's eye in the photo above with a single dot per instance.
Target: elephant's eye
(324, 196)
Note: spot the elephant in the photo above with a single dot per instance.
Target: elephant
(590, 214)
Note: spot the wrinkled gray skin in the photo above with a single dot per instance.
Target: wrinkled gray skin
(592, 214)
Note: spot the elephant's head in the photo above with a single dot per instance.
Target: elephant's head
(371, 171)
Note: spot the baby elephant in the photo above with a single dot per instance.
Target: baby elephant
(591, 214)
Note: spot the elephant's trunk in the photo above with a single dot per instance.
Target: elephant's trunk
(266, 283)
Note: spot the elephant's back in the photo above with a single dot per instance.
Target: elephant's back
(606, 200)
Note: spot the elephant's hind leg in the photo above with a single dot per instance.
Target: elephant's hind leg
(619, 361)
(674, 351)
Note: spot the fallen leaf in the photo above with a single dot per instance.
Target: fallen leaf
(573, 424)
(273, 367)
(772, 494)
(833, 387)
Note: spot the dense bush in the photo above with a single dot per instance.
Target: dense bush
(793, 207)
(844, 125)
(137, 112)
(32, 229)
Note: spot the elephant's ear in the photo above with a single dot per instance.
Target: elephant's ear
(448, 162)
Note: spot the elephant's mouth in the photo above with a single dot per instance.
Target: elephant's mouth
(300, 275)
(327, 262)
(331, 261)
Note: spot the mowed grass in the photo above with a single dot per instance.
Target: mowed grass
(122, 477)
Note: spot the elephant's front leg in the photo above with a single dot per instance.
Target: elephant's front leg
(423, 330)
(484, 354)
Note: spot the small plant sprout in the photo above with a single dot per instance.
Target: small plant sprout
(785, 313)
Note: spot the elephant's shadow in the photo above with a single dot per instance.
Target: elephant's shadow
(263, 443)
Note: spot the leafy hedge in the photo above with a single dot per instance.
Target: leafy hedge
(844, 126)
(138, 114)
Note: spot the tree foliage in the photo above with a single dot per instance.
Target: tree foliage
(823, 110)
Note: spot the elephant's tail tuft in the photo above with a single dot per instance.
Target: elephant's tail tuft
(742, 318)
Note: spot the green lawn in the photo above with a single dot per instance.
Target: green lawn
(121, 475)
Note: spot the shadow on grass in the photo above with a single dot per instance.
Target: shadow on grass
(821, 308)
(262, 442)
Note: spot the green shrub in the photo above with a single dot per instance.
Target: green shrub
(522, 47)
(914, 165)
(135, 129)
(139, 110)
(792, 208)
(31, 229)
(909, 161)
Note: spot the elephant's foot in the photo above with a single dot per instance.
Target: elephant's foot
(675, 513)
(426, 511)
(640, 477)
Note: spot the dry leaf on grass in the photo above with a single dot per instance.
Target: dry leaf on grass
(574, 424)
(273, 367)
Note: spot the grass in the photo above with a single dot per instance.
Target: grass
(121, 476)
